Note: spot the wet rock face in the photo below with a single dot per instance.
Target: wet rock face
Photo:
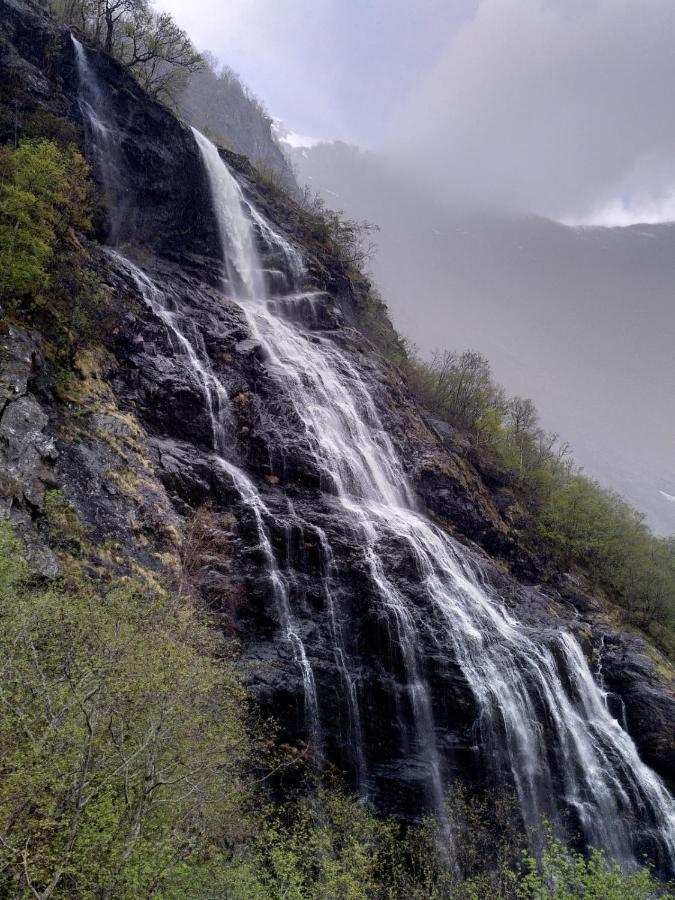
(266, 440)
(27, 43)
(27, 448)
(640, 700)
(160, 195)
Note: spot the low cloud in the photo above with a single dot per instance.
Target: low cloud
(558, 107)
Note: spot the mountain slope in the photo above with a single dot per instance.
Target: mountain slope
(216, 102)
(227, 366)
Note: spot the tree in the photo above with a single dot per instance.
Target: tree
(111, 14)
(564, 874)
(159, 53)
(100, 20)
(44, 193)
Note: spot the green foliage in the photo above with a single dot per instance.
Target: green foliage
(563, 874)
(123, 741)
(330, 846)
(42, 124)
(44, 196)
(587, 526)
(571, 520)
(46, 199)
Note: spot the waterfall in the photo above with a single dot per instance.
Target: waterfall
(102, 139)
(217, 403)
(541, 713)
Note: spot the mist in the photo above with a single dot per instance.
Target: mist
(581, 320)
(560, 108)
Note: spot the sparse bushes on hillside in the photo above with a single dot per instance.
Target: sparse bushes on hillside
(571, 520)
(351, 238)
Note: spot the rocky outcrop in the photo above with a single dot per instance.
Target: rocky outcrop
(27, 449)
(641, 687)
(160, 193)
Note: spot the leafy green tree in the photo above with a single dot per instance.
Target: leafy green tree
(564, 874)
(158, 53)
(330, 846)
(44, 196)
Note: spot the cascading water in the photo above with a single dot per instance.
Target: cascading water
(217, 401)
(541, 715)
(540, 710)
(102, 138)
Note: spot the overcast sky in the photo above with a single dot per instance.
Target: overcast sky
(328, 68)
(559, 107)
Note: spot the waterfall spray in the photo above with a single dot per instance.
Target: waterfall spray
(102, 138)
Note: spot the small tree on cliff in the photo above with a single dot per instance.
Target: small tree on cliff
(159, 53)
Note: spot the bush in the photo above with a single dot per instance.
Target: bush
(563, 874)
(124, 741)
(572, 521)
(45, 195)
(331, 846)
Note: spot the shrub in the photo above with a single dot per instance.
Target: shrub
(44, 194)
(123, 741)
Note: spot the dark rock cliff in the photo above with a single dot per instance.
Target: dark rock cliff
(127, 439)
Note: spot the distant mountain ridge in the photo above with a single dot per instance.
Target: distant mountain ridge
(218, 103)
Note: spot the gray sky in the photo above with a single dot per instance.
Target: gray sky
(328, 68)
(560, 107)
